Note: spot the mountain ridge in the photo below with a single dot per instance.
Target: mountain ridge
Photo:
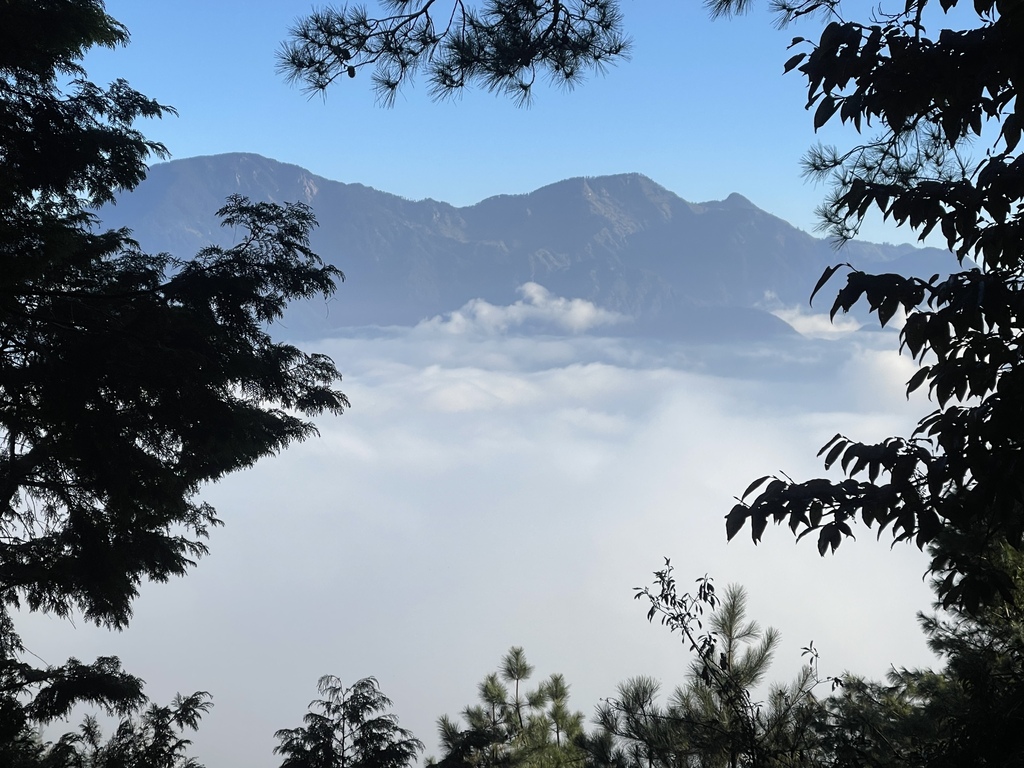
(623, 242)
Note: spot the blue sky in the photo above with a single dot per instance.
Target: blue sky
(702, 107)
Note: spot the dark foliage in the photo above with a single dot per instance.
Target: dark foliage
(127, 380)
(148, 738)
(348, 728)
(970, 712)
(716, 717)
(504, 45)
(931, 94)
(512, 725)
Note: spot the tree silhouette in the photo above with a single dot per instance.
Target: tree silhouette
(512, 726)
(127, 380)
(968, 712)
(715, 719)
(931, 95)
(504, 45)
(152, 740)
(348, 728)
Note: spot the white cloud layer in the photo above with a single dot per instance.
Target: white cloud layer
(538, 309)
(497, 490)
(817, 325)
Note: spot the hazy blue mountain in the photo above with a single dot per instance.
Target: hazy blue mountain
(705, 270)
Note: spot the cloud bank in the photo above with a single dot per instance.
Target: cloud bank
(490, 489)
(539, 309)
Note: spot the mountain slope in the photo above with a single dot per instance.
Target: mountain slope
(622, 242)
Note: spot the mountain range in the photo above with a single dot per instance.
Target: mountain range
(668, 267)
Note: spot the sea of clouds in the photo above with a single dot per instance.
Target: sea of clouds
(507, 476)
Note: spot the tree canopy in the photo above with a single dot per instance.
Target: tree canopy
(716, 717)
(127, 380)
(151, 738)
(503, 45)
(930, 95)
(514, 726)
(348, 728)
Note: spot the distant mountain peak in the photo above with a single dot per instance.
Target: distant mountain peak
(736, 200)
(625, 183)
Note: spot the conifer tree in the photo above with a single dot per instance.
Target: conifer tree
(513, 726)
(348, 728)
(503, 45)
(152, 738)
(723, 715)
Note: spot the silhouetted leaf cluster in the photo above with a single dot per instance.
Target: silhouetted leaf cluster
(929, 97)
(127, 380)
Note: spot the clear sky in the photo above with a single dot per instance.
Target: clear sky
(488, 490)
(701, 107)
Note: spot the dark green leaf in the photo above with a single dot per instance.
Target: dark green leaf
(825, 277)
(735, 519)
(826, 108)
(837, 449)
(792, 61)
(754, 485)
(918, 378)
